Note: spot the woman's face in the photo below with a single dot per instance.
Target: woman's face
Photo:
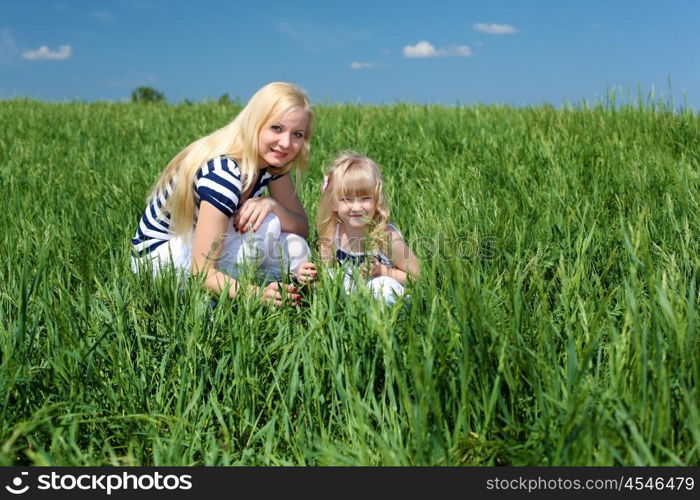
(281, 138)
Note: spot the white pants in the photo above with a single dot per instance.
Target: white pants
(269, 253)
(382, 287)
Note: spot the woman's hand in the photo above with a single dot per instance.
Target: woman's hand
(252, 213)
(276, 294)
(307, 273)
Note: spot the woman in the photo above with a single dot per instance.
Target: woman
(205, 214)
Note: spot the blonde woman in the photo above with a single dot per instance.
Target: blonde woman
(205, 213)
(353, 228)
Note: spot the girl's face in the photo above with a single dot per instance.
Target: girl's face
(355, 211)
(281, 138)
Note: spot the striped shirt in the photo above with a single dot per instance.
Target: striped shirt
(218, 182)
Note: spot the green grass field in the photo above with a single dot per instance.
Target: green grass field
(555, 321)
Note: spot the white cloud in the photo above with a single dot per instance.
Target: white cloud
(461, 51)
(8, 49)
(421, 49)
(44, 52)
(495, 29)
(426, 49)
(365, 65)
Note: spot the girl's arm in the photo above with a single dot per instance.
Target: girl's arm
(405, 262)
(208, 240)
(283, 202)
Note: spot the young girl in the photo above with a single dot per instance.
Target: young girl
(205, 214)
(353, 227)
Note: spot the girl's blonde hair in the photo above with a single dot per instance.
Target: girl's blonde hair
(352, 174)
(238, 140)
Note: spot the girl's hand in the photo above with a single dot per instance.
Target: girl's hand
(252, 213)
(374, 268)
(273, 294)
(307, 272)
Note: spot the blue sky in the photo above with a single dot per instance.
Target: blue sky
(516, 52)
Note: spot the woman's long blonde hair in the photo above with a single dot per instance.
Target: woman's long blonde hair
(238, 140)
(352, 174)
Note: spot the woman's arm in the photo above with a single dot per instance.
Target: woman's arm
(283, 202)
(289, 209)
(208, 240)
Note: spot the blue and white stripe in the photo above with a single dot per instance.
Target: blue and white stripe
(218, 182)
